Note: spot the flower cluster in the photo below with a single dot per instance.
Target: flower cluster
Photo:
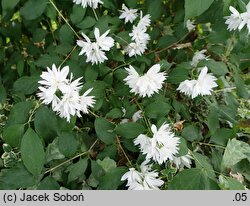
(147, 84)
(91, 3)
(95, 51)
(146, 179)
(202, 86)
(63, 93)
(238, 20)
(138, 35)
(161, 147)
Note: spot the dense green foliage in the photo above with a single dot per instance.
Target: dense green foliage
(40, 150)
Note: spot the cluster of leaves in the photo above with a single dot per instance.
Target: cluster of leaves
(40, 150)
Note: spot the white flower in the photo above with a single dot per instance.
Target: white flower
(147, 84)
(187, 86)
(183, 161)
(235, 20)
(53, 80)
(63, 93)
(91, 3)
(161, 147)
(139, 35)
(246, 18)
(86, 101)
(145, 21)
(146, 179)
(94, 51)
(104, 42)
(128, 14)
(190, 25)
(198, 56)
(136, 116)
(134, 49)
(202, 86)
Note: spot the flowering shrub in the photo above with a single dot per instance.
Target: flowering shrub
(140, 95)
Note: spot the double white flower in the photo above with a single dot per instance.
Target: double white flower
(63, 93)
(95, 51)
(128, 14)
(91, 3)
(202, 86)
(161, 147)
(238, 20)
(147, 84)
(146, 179)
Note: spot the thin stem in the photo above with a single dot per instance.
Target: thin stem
(211, 145)
(95, 115)
(67, 57)
(69, 160)
(53, 4)
(123, 151)
(96, 17)
(170, 46)
(120, 38)
(225, 89)
(120, 66)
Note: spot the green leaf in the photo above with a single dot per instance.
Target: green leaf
(87, 22)
(107, 164)
(13, 134)
(26, 84)
(77, 14)
(221, 136)
(157, 109)
(48, 183)
(53, 152)
(114, 113)
(91, 74)
(19, 113)
(3, 94)
(105, 130)
(16, 178)
(195, 8)
(191, 179)
(192, 133)
(27, 11)
(112, 180)
(217, 68)
(66, 35)
(202, 162)
(154, 8)
(179, 73)
(67, 144)
(77, 170)
(129, 130)
(241, 88)
(32, 152)
(228, 183)
(47, 60)
(45, 123)
(235, 151)
(131, 3)
(213, 119)
(8, 5)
